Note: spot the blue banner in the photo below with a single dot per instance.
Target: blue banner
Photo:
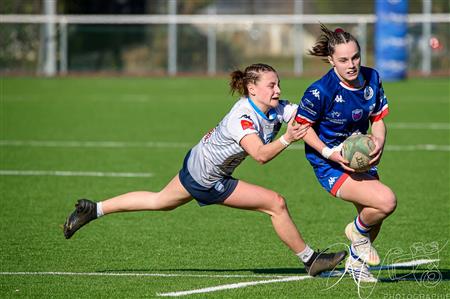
(391, 51)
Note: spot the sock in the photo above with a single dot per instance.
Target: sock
(99, 209)
(306, 255)
(361, 226)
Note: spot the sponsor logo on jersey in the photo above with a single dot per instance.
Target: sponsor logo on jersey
(246, 116)
(339, 99)
(357, 114)
(207, 135)
(316, 93)
(247, 124)
(368, 93)
(331, 181)
(335, 114)
(307, 109)
(307, 102)
(219, 186)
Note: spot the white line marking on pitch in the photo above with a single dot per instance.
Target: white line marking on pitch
(184, 145)
(94, 144)
(5, 172)
(293, 278)
(276, 278)
(419, 126)
(232, 286)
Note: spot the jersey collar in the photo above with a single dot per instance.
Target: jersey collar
(271, 114)
(346, 86)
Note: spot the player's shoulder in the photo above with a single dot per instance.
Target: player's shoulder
(327, 82)
(325, 86)
(242, 109)
(370, 75)
(285, 106)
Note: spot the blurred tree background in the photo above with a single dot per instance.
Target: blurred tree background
(143, 48)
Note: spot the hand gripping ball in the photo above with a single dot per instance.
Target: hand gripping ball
(356, 150)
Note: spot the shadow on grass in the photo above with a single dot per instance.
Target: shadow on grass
(267, 271)
(428, 277)
(424, 276)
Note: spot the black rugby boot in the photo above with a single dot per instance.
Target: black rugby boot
(85, 212)
(321, 261)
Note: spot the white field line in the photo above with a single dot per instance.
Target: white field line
(178, 145)
(275, 278)
(288, 278)
(419, 126)
(93, 144)
(231, 286)
(5, 172)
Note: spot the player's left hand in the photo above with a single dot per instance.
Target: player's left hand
(377, 151)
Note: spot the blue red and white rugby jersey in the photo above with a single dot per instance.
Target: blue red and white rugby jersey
(337, 111)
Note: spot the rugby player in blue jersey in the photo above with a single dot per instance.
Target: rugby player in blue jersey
(348, 100)
(249, 129)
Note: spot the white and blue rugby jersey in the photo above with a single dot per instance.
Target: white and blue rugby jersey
(337, 111)
(219, 152)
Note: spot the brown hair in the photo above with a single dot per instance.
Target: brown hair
(251, 74)
(328, 40)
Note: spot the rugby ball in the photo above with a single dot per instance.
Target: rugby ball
(356, 150)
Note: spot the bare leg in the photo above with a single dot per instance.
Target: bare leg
(375, 201)
(253, 197)
(169, 198)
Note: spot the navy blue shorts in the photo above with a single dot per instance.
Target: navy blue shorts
(206, 195)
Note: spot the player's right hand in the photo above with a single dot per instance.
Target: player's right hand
(337, 157)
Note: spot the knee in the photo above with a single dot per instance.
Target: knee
(278, 204)
(388, 202)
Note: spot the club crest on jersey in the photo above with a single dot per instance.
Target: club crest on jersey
(368, 93)
(247, 124)
(357, 114)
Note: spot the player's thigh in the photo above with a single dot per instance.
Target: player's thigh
(253, 197)
(365, 190)
(173, 194)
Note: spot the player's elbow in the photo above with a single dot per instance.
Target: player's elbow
(261, 159)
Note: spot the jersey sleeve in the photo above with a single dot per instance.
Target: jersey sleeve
(381, 107)
(241, 124)
(310, 106)
(285, 109)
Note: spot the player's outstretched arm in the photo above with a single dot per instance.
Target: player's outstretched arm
(263, 153)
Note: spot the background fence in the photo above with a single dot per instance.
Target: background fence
(206, 43)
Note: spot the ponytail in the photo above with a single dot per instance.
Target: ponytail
(328, 40)
(251, 74)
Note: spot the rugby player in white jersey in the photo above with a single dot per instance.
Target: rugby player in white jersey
(248, 129)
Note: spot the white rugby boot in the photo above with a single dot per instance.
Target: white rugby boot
(361, 245)
(359, 271)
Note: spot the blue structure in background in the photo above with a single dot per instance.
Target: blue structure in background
(391, 55)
